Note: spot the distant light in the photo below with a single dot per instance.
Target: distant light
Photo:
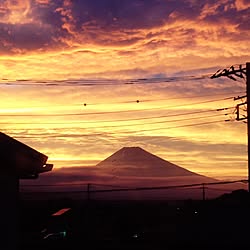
(135, 236)
(64, 233)
(61, 211)
(47, 236)
(195, 212)
(56, 235)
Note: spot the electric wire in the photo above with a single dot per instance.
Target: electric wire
(174, 127)
(151, 188)
(71, 184)
(120, 132)
(99, 82)
(128, 119)
(168, 98)
(128, 125)
(134, 101)
(112, 112)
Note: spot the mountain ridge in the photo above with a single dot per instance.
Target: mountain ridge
(135, 161)
(134, 167)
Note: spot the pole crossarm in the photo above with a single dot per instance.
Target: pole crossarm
(238, 118)
(240, 97)
(238, 71)
(242, 72)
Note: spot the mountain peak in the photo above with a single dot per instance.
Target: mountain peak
(129, 155)
(135, 161)
(132, 148)
(131, 152)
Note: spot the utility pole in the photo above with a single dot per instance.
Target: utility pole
(240, 72)
(88, 192)
(248, 120)
(203, 192)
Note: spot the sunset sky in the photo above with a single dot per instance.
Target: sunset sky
(81, 79)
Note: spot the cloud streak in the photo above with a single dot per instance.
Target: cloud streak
(58, 55)
(90, 33)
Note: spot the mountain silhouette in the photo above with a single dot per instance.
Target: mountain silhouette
(135, 168)
(135, 161)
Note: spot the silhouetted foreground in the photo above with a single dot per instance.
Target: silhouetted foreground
(214, 224)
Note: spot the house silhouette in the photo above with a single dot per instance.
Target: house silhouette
(18, 161)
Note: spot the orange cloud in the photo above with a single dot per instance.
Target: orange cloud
(242, 4)
(16, 12)
(43, 1)
(72, 52)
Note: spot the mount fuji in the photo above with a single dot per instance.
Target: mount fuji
(143, 174)
(137, 162)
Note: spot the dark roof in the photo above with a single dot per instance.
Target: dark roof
(17, 158)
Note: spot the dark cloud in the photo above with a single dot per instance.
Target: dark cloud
(92, 21)
(226, 12)
(25, 37)
(42, 30)
(47, 14)
(125, 14)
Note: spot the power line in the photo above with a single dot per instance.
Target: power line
(113, 112)
(172, 187)
(136, 124)
(133, 101)
(120, 132)
(129, 119)
(124, 125)
(174, 127)
(153, 188)
(53, 185)
(168, 98)
(99, 82)
(71, 184)
(216, 189)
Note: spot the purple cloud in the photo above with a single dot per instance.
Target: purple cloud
(54, 23)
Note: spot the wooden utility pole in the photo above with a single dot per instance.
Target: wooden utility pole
(88, 192)
(203, 192)
(233, 73)
(248, 120)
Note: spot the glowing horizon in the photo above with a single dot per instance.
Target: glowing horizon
(57, 56)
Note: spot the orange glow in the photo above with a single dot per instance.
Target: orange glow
(18, 12)
(57, 56)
